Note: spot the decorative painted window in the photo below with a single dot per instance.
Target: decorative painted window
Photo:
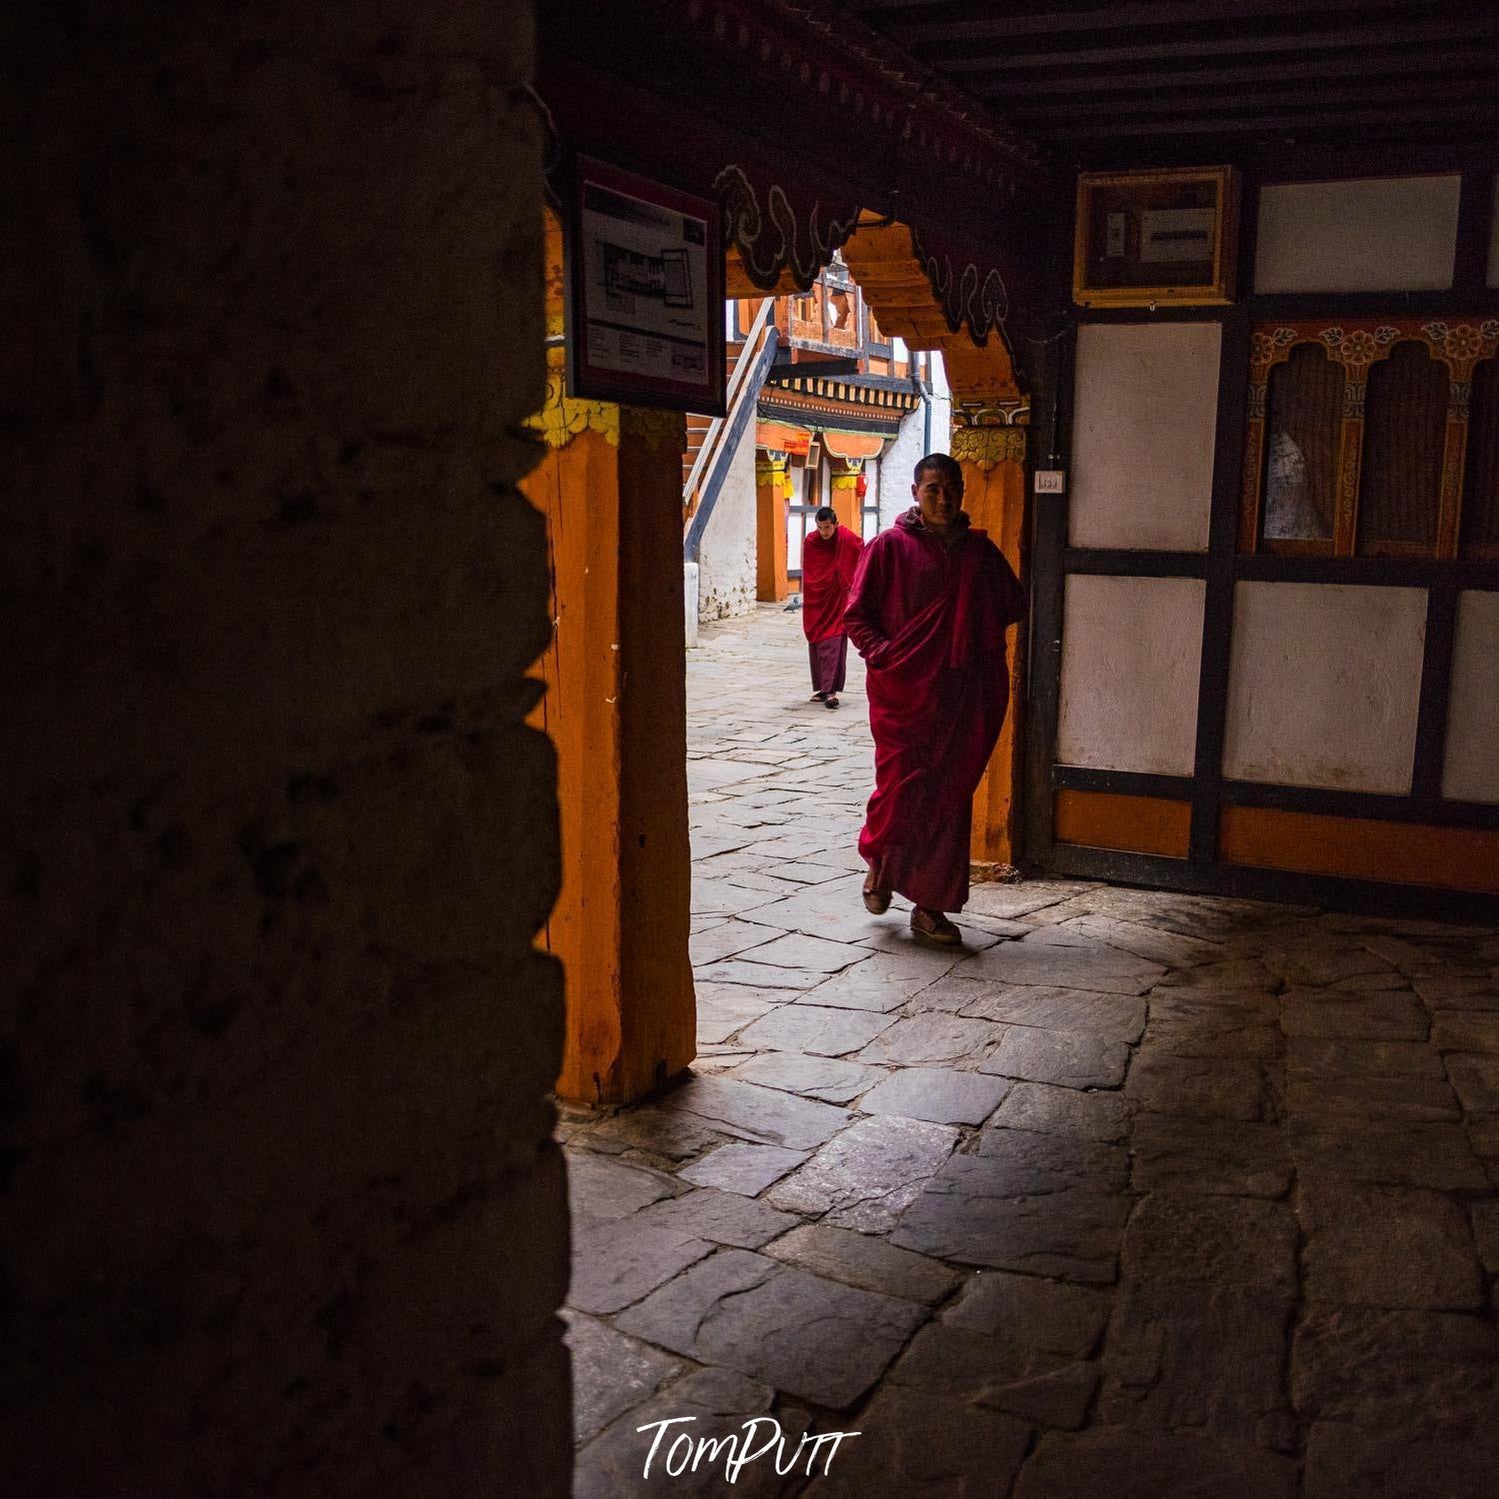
(1373, 438)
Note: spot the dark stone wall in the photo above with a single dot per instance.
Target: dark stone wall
(279, 1214)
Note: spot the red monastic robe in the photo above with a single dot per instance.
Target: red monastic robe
(929, 620)
(828, 569)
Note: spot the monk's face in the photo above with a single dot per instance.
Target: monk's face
(826, 529)
(940, 497)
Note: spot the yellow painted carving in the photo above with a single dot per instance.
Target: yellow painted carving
(987, 446)
(562, 418)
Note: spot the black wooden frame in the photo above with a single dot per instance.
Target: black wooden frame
(1221, 567)
(586, 382)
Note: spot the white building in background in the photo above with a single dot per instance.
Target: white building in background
(840, 415)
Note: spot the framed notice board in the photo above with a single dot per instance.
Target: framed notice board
(1155, 237)
(645, 291)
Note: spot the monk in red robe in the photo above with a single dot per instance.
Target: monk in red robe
(829, 560)
(928, 612)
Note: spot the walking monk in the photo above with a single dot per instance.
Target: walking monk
(829, 560)
(928, 612)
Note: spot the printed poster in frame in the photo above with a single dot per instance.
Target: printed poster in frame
(645, 292)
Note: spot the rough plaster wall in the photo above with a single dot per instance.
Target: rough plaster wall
(1470, 770)
(278, 1210)
(897, 461)
(1323, 685)
(1143, 437)
(726, 582)
(1131, 655)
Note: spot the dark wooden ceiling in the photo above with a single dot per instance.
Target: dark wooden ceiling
(1095, 82)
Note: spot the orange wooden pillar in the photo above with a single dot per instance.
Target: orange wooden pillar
(844, 494)
(994, 495)
(771, 585)
(615, 707)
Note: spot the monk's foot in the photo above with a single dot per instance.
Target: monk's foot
(876, 901)
(830, 701)
(933, 927)
(817, 697)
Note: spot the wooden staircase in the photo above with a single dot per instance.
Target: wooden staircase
(711, 440)
(698, 427)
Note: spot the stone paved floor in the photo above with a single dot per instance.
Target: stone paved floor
(1140, 1194)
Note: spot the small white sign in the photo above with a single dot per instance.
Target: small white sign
(1051, 481)
(1176, 234)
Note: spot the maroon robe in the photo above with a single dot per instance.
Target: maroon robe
(829, 662)
(929, 620)
(828, 568)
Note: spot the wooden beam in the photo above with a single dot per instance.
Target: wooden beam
(1120, 18)
(1156, 79)
(1182, 49)
(1485, 113)
(1377, 91)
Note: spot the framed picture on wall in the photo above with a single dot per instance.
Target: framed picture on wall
(645, 291)
(1155, 237)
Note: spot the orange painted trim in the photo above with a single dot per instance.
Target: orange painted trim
(853, 444)
(781, 437)
(1134, 824)
(1395, 853)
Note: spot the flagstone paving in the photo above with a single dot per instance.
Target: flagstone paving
(1138, 1193)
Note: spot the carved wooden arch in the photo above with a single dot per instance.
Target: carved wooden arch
(898, 287)
(915, 296)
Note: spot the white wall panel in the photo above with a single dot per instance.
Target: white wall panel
(1369, 234)
(1324, 682)
(1131, 653)
(1146, 414)
(726, 558)
(1471, 769)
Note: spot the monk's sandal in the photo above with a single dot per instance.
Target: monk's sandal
(876, 902)
(934, 927)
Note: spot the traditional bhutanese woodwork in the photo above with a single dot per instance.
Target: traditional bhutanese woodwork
(855, 447)
(771, 583)
(739, 286)
(850, 403)
(1382, 456)
(994, 494)
(615, 709)
(844, 494)
(873, 136)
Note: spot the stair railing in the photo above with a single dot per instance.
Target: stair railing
(722, 435)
